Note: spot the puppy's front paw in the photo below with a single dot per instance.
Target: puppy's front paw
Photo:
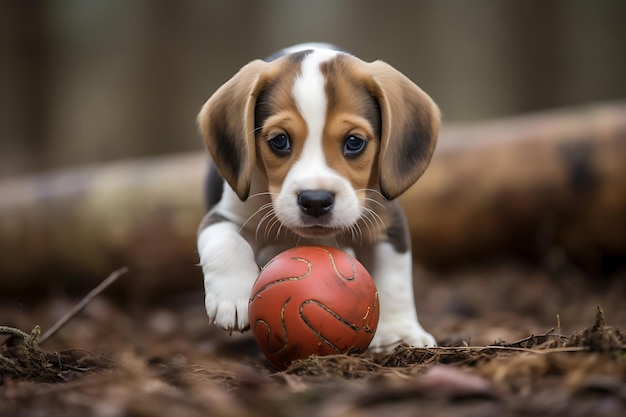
(226, 301)
(229, 274)
(390, 335)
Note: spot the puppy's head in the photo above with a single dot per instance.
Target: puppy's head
(324, 127)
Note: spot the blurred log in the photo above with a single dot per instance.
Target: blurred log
(534, 185)
(72, 228)
(521, 186)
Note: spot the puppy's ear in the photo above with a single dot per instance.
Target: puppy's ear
(227, 125)
(410, 125)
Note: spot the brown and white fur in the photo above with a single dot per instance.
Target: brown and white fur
(313, 147)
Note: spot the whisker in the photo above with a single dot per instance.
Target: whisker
(259, 210)
(369, 224)
(267, 216)
(378, 223)
(375, 193)
(357, 234)
(270, 226)
(261, 194)
(377, 219)
(279, 231)
(352, 230)
(257, 129)
(267, 226)
(372, 200)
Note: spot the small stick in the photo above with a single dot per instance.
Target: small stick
(454, 349)
(14, 332)
(83, 303)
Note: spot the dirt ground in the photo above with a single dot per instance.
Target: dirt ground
(515, 340)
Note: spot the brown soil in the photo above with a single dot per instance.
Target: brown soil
(514, 341)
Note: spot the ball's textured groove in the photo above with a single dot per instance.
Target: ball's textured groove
(313, 300)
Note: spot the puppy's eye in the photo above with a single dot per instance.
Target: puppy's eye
(353, 146)
(280, 144)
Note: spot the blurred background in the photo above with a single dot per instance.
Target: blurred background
(91, 80)
(119, 82)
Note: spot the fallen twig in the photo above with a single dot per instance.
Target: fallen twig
(83, 303)
(26, 360)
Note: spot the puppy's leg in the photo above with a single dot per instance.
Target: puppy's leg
(230, 270)
(398, 323)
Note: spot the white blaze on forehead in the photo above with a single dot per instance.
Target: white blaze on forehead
(311, 171)
(310, 95)
(309, 90)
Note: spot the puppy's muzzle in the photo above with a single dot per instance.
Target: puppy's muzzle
(316, 203)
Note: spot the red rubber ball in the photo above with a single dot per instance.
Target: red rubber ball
(313, 300)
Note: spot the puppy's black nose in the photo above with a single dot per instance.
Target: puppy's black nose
(316, 203)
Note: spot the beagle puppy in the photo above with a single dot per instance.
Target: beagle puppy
(311, 147)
